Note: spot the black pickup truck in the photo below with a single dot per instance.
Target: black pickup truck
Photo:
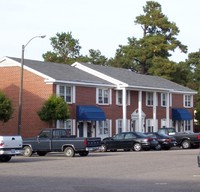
(186, 140)
(56, 140)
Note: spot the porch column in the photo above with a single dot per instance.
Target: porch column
(124, 128)
(154, 111)
(167, 110)
(140, 126)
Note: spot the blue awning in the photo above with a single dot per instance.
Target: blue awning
(92, 113)
(181, 114)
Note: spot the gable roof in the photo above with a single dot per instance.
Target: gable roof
(97, 75)
(135, 80)
(55, 72)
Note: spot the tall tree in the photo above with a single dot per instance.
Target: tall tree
(95, 57)
(6, 109)
(157, 42)
(193, 64)
(66, 49)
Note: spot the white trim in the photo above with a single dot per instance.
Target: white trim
(99, 74)
(7, 62)
(79, 83)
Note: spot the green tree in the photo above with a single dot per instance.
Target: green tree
(193, 65)
(55, 108)
(6, 109)
(66, 49)
(95, 57)
(157, 42)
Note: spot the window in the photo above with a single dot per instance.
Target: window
(119, 126)
(66, 124)
(149, 125)
(163, 99)
(66, 93)
(103, 96)
(149, 98)
(59, 133)
(188, 101)
(119, 97)
(130, 136)
(187, 125)
(103, 127)
(119, 136)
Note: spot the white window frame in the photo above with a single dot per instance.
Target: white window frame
(66, 124)
(65, 95)
(149, 99)
(119, 97)
(103, 127)
(105, 94)
(119, 126)
(187, 125)
(149, 125)
(163, 100)
(188, 101)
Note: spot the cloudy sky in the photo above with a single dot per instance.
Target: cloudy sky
(97, 24)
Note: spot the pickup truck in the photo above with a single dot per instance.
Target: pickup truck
(10, 146)
(56, 140)
(186, 140)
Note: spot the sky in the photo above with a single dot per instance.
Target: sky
(97, 24)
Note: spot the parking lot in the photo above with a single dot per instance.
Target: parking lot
(156, 171)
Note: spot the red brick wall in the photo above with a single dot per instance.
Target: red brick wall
(35, 92)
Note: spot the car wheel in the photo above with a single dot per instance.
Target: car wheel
(27, 151)
(137, 147)
(69, 152)
(83, 153)
(158, 147)
(186, 144)
(5, 158)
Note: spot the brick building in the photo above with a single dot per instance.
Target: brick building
(103, 100)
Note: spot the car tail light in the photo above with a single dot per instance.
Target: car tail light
(1, 143)
(168, 140)
(198, 136)
(149, 139)
(85, 142)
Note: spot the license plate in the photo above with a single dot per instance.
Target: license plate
(12, 150)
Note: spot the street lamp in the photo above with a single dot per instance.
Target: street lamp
(21, 83)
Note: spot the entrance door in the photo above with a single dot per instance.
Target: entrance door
(89, 129)
(80, 127)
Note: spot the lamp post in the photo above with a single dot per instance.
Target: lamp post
(21, 83)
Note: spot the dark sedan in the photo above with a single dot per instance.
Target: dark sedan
(165, 141)
(127, 141)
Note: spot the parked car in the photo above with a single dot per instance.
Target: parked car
(56, 140)
(10, 146)
(127, 141)
(165, 141)
(186, 140)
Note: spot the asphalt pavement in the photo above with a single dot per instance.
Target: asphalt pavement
(146, 171)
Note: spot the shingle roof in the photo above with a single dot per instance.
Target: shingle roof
(138, 80)
(62, 72)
